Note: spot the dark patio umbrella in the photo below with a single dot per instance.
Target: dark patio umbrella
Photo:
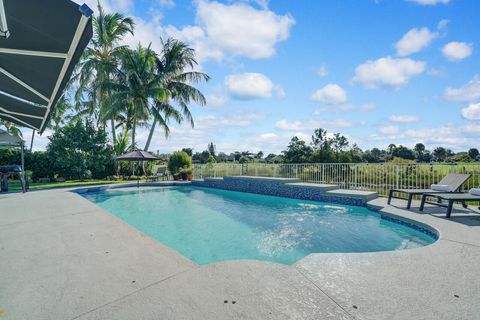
(138, 156)
(40, 43)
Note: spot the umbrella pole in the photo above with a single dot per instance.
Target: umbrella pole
(138, 182)
(22, 175)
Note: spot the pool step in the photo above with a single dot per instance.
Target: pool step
(320, 187)
(365, 196)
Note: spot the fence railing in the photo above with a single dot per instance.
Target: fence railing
(379, 177)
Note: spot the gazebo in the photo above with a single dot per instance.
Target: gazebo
(9, 141)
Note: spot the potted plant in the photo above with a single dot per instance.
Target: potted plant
(186, 173)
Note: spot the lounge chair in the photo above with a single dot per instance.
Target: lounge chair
(452, 182)
(161, 174)
(472, 195)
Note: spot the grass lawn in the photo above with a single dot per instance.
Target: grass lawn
(15, 185)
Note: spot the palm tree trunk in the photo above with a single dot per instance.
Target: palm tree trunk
(31, 142)
(133, 133)
(150, 135)
(114, 138)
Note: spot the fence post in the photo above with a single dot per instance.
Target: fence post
(296, 171)
(397, 183)
(356, 177)
(273, 171)
(214, 171)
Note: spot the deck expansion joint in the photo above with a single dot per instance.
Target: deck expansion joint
(133, 292)
(326, 294)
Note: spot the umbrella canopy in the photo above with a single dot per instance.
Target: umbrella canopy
(40, 43)
(138, 155)
(8, 141)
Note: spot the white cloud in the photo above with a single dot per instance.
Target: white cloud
(472, 112)
(230, 30)
(146, 32)
(389, 130)
(309, 125)
(109, 5)
(430, 2)
(403, 118)
(414, 41)
(455, 51)
(216, 100)
(346, 107)
(330, 94)
(166, 3)
(247, 86)
(280, 92)
(466, 93)
(442, 24)
(388, 72)
(322, 70)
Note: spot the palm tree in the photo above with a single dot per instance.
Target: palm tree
(99, 63)
(57, 117)
(171, 67)
(136, 88)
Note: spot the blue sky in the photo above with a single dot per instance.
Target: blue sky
(380, 72)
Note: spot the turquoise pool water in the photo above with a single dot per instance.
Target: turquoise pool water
(210, 225)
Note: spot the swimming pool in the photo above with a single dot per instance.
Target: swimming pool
(211, 225)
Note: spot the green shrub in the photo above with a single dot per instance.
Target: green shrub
(179, 160)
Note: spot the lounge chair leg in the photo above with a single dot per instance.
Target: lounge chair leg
(422, 203)
(409, 202)
(449, 209)
(464, 205)
(390, 195)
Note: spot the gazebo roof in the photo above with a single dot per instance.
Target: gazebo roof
(8, 141)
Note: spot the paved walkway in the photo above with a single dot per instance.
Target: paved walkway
(62, 257)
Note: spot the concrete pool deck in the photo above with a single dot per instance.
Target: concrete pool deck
(63, 257)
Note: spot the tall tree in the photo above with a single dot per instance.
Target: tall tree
(473, 153)
(99, 64)
(440, 153)
(175, 69)
(297, 151)
(211, 149)
(136, 89)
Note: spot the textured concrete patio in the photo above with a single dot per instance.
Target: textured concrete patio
(62, 257)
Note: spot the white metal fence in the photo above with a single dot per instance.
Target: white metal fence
(379, 177)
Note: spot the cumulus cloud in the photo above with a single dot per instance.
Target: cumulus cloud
(166, 3)
(309, 125)
(430, 2)
(455, 51)
(238, 29)
(403, 118)
(389, 130)
(216, 100)
(330, 94)
(466, 93)
(472, 112)
(342, 107)
(414, 41)
(248, 86)
(388, 72)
